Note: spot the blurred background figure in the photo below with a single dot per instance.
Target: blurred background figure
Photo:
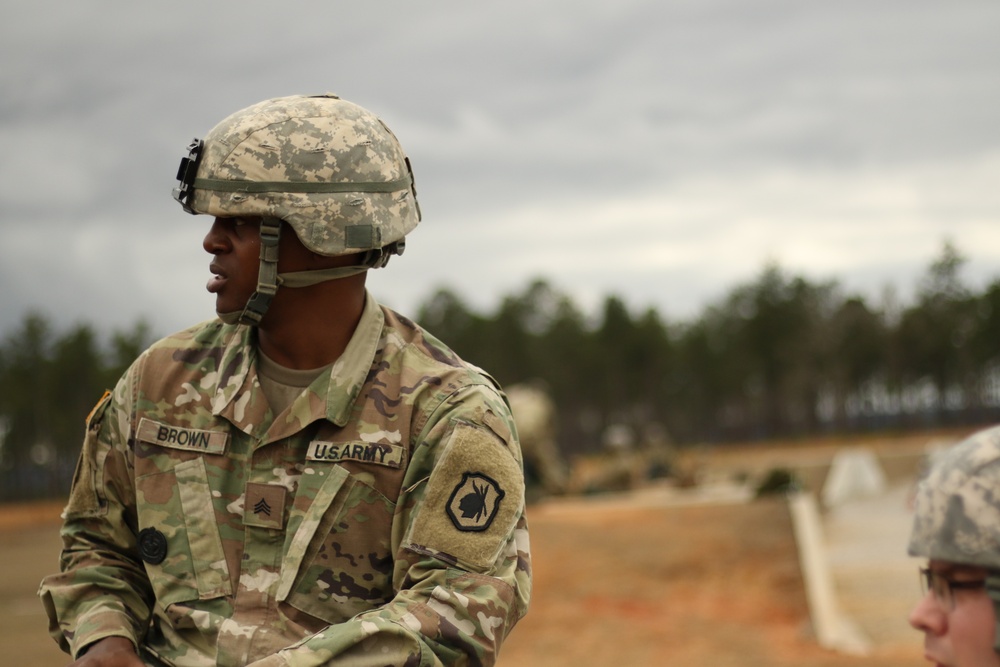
(545, 471)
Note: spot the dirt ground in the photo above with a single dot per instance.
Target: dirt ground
(29, 544)
(616, 581)
(695, 585)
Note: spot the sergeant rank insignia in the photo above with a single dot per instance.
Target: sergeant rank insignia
(264, 505)
(474, 502)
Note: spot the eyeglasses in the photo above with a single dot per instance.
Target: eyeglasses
(944, 588)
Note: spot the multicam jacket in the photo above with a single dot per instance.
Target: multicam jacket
(379, 520)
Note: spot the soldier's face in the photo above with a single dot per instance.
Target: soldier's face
(958, 633)
(235, 246)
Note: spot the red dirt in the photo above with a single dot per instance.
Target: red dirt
(695, 585)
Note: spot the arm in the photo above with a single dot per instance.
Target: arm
(462, 571)
(101, 590)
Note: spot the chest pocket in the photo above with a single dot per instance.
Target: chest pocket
(175, 506)
(338, 559)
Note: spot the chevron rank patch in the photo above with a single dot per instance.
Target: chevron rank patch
(264, 505)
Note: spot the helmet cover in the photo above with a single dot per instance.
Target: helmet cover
(957, 512)
(329, 168)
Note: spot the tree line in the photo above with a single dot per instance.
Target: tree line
(778, 356)
(49, 382)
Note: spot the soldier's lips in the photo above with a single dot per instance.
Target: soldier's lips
(930, 658)
(217, 280)
(215, 284)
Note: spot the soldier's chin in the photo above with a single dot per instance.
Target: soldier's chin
(231, 317)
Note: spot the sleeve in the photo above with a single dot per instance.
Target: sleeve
(462, 572)
(102, 589)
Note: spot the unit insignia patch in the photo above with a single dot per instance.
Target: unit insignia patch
(474, 502)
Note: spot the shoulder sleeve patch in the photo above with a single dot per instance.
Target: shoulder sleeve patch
(94, 416)
(474, 497)
(86, 493)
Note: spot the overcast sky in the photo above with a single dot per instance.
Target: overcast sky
(660, 150)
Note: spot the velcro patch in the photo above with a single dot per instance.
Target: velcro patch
(264, 505)
(176, 437)
(382, 454)
(362, 236)
(474, 497)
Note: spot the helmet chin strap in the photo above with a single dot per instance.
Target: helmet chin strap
(268, 278)
(993, 590)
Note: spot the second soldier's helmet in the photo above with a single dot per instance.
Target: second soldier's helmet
(957, 509)
(330, 169)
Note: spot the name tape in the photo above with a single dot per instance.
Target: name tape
(193, 439)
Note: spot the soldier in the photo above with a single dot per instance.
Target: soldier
(957, 528)
(535, 416)
(310, 479)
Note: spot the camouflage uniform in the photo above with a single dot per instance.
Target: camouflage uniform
(957, 511)
(378, 520)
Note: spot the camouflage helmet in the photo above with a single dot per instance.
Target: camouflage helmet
(330, 169)
(957, 510)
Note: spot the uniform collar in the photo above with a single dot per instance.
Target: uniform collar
(332, 396)
(350, 371)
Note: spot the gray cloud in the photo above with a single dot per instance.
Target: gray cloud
(658, 150)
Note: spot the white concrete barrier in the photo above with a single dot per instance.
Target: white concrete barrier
(854, 473)
(833, 629)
